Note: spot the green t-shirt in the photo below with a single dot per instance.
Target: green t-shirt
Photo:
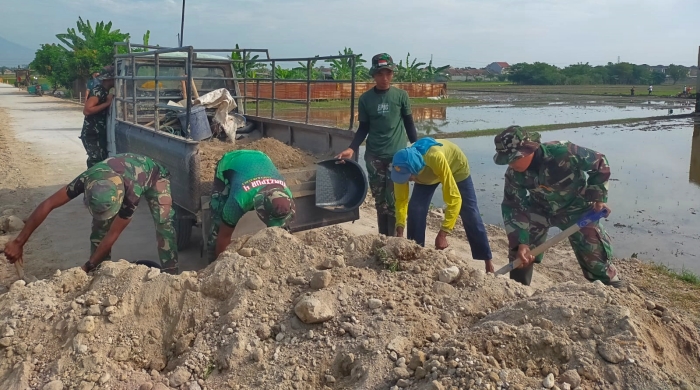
(384, 112)
(244, 173)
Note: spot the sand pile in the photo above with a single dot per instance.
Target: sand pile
(330, 310)
(281, 154)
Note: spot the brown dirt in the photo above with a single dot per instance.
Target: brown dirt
(282, 155)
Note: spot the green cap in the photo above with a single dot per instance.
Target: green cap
(274, 206)
(513, 143)
(381, 61)
(104, 195)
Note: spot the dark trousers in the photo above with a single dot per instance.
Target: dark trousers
(473, 225)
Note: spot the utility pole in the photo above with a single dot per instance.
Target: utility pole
(182, 23)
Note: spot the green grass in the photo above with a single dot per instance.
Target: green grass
(555, 126)
(682, 275)
(664, 90)
(266, 105)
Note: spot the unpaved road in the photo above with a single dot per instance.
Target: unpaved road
(49, 154)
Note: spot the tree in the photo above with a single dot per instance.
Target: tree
(304, 70)
(341, 68)
(410, 71)
(430, 73)
(56, 64)
(249, 63)
(93, 48)
(657, 77)
(677, 72)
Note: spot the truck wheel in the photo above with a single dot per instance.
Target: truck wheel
(184, 221)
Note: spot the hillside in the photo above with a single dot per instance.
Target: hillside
(12, 54)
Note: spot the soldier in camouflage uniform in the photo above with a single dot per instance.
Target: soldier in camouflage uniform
(246, 180)
(545, 186)
(385, 117)
(112, 190)
(94, 132)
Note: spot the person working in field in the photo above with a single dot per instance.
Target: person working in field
(94, 132)
(246, 180)
(112, 191)
(428, 163)
(553, 184)
(384, 113)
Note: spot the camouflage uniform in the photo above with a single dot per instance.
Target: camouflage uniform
(380, 184)
(554, 191)
(114, 186)
(94, 132)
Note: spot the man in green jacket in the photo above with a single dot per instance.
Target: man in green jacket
(554, 184)
(384, 113)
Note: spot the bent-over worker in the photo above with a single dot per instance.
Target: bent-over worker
(428, 163)
(112, 191)
(385, 117)
(246, 180)
(553, 184)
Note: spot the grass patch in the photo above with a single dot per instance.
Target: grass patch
(664, 90)
(682, 275)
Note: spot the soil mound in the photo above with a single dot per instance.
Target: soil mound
(327, 309)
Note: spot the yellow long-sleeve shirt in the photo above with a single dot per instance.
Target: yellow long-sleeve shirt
(444, 164)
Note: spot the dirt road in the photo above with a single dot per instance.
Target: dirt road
(45, 153)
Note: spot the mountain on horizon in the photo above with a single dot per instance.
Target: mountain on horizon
(12, 54)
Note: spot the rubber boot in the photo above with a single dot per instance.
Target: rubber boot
(391, 225)
(383, 224)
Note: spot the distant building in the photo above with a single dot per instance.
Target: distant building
(693, 72)
(457, 74)
(325, 72)
(498, 67)
(658, 68)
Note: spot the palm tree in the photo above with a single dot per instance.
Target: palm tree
(341, 69)
(410, 72)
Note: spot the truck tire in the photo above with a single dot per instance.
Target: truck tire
(184, 222)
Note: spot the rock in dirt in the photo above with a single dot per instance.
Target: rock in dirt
(570, 377)
(399, 344)
(434, 385)
(86, 325)
(650, 305)
(254, 282)
(312, 309)
(179, 377)
(548, 381)
(246, 252)
(321, 279)
(53, 385)
(146, 386)
(333, 262)
(611, 352)
(417, 360)
(374, 303)
(11, 224)
(448, 275)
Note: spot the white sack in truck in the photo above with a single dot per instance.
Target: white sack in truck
(224, 103)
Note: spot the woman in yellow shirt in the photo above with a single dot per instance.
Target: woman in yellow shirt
(428, 163)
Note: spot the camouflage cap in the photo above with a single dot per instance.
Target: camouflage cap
(513, 143)
(106, 73)
(104, 194)
(382, 61)
(274, 206)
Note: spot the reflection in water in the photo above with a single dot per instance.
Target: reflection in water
(340, 117)
(694, 174)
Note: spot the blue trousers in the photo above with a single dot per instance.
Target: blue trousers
(473, 225)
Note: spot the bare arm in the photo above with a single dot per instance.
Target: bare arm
(224, 238)
(91, 107)
(14, 248)
(118, 226)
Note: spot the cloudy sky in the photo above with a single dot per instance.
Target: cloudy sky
(456, 32)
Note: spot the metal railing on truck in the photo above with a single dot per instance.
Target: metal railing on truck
(135, 52)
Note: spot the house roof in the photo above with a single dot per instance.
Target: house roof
(503, 64)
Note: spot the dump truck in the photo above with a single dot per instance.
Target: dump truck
(148, 78)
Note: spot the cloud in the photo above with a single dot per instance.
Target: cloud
(458, 32)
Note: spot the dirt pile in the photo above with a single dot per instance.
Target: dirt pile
(281, 154)
(330, 310)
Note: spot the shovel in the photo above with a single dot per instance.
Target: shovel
(585, 219)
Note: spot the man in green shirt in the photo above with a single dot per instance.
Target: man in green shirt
(384, 113)
(246, 180)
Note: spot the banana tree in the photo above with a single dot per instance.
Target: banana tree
(251, 66)
(289, 74)
(97, 42)
(410, 72)
(341, 69)
(429, 73)
(304, 68)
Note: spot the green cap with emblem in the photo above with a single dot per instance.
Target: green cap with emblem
(274, 206)
(513, 143)
(104, 194)
(382, 61)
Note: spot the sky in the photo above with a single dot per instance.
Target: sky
(455, 32)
